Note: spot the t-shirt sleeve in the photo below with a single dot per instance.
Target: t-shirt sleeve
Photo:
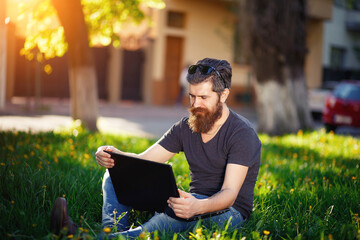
(245, 148)
(171, 140)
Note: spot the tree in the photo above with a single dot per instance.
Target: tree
(277, 40)
(83, 24)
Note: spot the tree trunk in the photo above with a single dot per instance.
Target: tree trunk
(82, 74)
(277, 39)
(3, 53)
(282, 107)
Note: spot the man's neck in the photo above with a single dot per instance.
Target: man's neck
(217, 125)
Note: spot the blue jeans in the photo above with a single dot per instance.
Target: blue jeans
(160, 221)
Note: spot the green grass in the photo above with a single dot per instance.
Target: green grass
(308, 185)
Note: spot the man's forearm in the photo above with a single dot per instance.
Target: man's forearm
(225, 198)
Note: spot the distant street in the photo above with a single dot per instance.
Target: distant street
(125, 118)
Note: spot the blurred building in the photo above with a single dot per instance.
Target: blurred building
(148, 65)
(341, 58)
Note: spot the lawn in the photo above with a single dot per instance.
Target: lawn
(308, 185)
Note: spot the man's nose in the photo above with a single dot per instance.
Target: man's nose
(197, 102)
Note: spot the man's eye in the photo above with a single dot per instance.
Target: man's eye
(203, 98)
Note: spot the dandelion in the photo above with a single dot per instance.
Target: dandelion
(2, 164)
(87, 156)
(266, 232)
(11, 148)
(300, 133)
(310, 207)
(34, 225)
(260, 184)
(142, 235)
(26, 156)
(70, 236)
(12, 202)
(63, 195)
(312, 183)
(291, 190)
(107, 230)
(353, 178)
(198, 231)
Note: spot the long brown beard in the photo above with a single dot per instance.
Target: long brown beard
(201, 120)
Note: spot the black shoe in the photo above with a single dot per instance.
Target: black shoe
(60, 220)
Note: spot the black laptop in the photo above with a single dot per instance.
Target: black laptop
(142, 184)
(146, 185)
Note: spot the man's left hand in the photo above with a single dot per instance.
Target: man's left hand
(184, 207)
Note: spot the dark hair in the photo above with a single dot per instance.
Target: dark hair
(222, 66)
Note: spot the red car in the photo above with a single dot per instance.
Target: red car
(342, 107)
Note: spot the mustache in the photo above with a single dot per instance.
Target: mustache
(195, 110)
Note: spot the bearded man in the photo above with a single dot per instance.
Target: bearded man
(223, 152)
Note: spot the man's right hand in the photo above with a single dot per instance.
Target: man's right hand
(104, 159)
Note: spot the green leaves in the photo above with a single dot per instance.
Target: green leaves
(105, 20)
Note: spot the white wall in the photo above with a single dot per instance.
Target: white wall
(335, 34)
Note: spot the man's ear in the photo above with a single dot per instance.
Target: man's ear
(224, 95)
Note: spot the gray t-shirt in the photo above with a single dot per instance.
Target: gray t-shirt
(236, 142)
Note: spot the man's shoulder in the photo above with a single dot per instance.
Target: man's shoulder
(239, 121)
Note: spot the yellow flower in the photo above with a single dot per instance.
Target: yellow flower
(266, 232)
(107, 230)
(353, 178)
(300, 133)
(12, 202)
(291, 190)
(2, 164)
(70, 236)
(198, 231)
(87, 156)
(310, 207)
(11, 148)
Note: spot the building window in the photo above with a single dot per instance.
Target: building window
(337, 57)
(176, 19)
